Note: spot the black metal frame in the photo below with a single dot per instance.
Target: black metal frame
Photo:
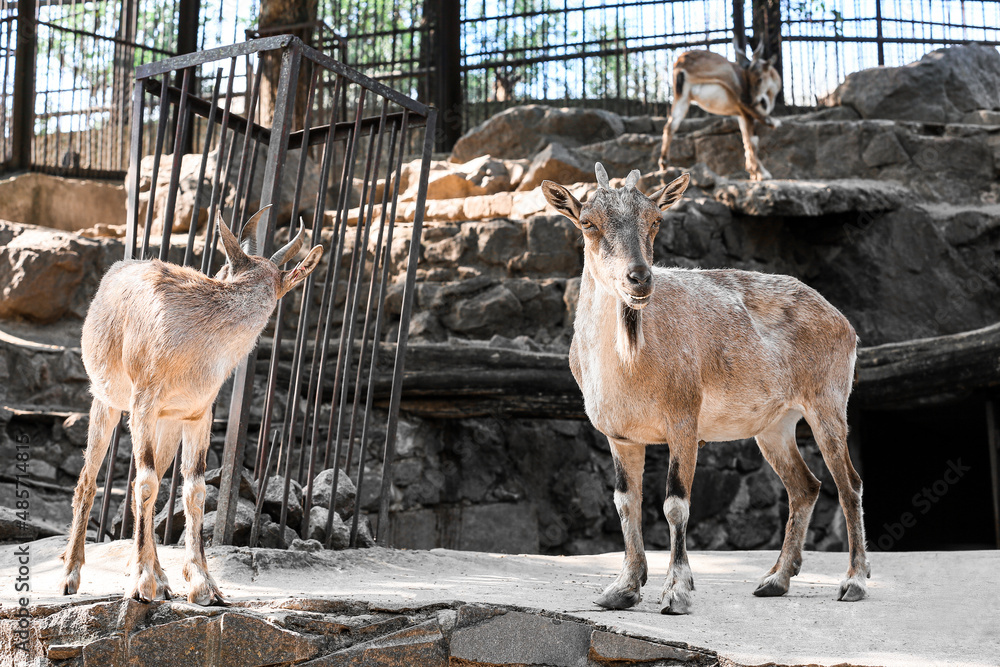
(340, 137)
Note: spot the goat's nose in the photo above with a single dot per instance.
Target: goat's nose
(638, 275)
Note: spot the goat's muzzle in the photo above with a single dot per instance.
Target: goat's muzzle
(637, 287)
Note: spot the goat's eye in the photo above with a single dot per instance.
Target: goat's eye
(586, 225)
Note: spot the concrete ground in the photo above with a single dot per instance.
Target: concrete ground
(929, 608)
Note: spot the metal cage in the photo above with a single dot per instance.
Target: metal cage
(333, 154)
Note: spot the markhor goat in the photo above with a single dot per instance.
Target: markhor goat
(159, 340)
(678, 357)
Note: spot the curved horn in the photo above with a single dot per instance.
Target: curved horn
(602, 176)
(759, 51)
(248, 237)
(632, 178)
(289, 250)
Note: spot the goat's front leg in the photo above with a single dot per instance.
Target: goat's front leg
(197, 435)
(753, 165)
(629, 461)
(145, 582)
(677, 590)
(102, 422)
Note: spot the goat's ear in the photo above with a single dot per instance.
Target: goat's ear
(773, 60)
(670, 193)
(289, 279)
(231, 246)
(562, 200)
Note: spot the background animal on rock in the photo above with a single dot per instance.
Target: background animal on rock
(158, 341)
(680, 357)
(745, 89)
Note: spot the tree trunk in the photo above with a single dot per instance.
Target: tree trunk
(280, 17)
(767, 27)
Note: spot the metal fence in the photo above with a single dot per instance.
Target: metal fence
(316, 410)
(470, 58)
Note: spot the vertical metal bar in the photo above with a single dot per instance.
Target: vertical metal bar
(161, 129)
(879, 40)
(180, 134)
(135, 158)
(109, 477)
(127, 512)
(168, 529)
(404, 320)
(218, 187)
(23, 113)
(381, 260)
(232, 467)
(276, 346)
(255, 526)
(209, 131)
(245, 156)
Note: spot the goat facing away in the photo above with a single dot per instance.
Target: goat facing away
(158, 342)
(745, 89)
(681, 357)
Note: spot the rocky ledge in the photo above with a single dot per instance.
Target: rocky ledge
(314, 632)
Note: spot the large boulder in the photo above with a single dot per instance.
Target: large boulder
(560, 164)
(523, 132)
(942, 87)
(484, 175)
(45, 274)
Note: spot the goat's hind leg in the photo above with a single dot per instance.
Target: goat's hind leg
(168, 438)
(682, 101)
(779, 448)
(829, 426)
(197, 435)
(103, 419)
(629, 461)
(145, 583)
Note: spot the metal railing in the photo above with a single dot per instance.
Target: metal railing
(319, 395)
(470, 58)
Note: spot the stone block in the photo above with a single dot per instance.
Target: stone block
(422, 644)
(248, 641)
(608, 648)
(523, 639)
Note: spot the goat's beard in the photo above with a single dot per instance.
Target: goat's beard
(628, 339)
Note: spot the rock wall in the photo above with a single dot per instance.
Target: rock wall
(896, 221)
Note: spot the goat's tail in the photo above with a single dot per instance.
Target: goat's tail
(678, 82)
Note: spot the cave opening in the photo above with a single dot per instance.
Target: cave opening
(927, 476)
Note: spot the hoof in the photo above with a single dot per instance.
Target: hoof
(70, 583)
(145, 588)
(852, 590)
(675, 602)
(618, 598)
(204, 592)
(771, 586)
